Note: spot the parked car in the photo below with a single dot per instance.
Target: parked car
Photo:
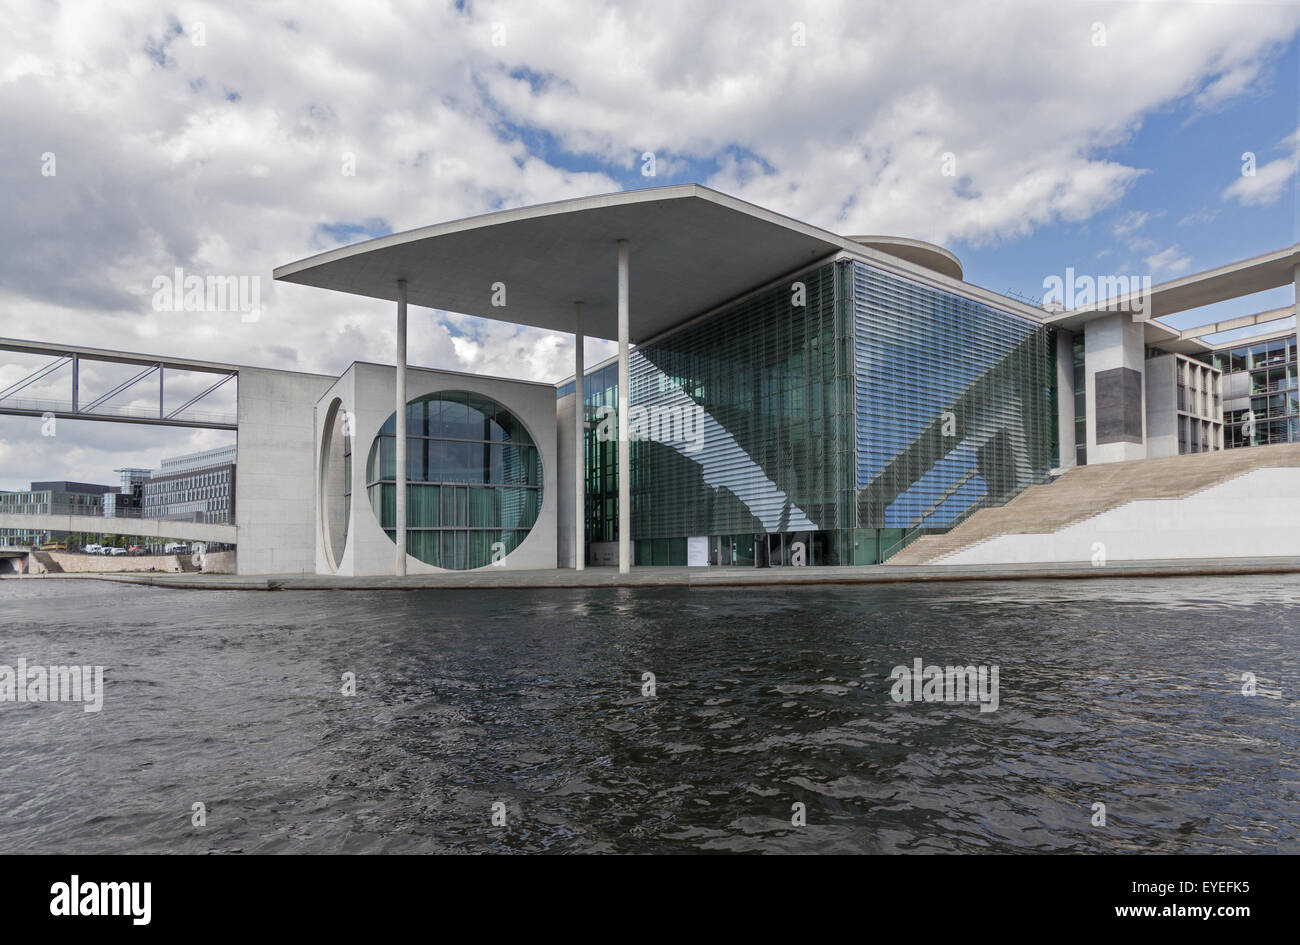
(92, 549)
(117, 551)
(137, 550)
(176, 548)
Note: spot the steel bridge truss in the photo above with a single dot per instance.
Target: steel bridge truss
(100, 408)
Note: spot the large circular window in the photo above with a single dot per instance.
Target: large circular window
(474, 480)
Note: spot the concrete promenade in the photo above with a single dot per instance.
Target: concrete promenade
(489, 579)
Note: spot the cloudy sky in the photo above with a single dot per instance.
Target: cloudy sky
(142, 136)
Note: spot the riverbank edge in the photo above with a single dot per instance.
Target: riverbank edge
(486, 579)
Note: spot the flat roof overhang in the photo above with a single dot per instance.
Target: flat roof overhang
(691, 249)
(1234, 280)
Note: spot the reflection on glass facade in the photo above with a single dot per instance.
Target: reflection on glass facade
(600, 389)
(830, 431)
(758, 439)
(956, 406)
(1267, 375)
(474, 478)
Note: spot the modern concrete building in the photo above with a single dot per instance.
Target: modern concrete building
(1261, 398)
(781, 395)
(480, 472)
(128, 501)
(795, 396)
(49, 498)
(196, 487)
(1184, 410)
(1118, 337)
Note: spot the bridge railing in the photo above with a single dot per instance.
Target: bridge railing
(69, 508)
(114, 410)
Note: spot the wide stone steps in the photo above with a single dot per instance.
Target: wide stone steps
(1085, 491)
(47, 562)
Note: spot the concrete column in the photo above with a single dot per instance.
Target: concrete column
(399, 563)
(624, 407)
(1114, 370)
(580, 445)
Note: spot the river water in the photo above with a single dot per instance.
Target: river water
(1126, 693)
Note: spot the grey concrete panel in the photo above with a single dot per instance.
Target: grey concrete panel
(1119, 406)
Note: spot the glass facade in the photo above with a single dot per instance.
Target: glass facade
(600, 390)
(956, 408)
(745, 420)
(826, 419)
(474, 480)
(1272, 414)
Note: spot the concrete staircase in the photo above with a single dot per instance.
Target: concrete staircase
(47, 562)
(1085, 491)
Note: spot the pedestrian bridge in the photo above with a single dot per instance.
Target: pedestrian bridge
(98, 525)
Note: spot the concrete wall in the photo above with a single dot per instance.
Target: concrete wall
(275, 484)
(218, 562)
(72, 562)
(1255, 515)
(1114, 348)
(1162, 407)
(367, 392)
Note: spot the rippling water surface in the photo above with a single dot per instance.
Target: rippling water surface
(1123, 692)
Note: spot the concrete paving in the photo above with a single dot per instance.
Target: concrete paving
(488, 579)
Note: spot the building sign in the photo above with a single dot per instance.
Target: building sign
(697, 552)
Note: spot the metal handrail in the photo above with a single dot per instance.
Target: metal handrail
(67, 508)
(116, 410)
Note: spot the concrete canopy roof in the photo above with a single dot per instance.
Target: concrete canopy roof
(1246, 277)
(552, 255)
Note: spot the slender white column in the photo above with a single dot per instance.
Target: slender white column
(624, 409)
(580, 446)
(399, 563)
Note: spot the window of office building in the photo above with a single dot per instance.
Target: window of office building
(746, 439)
(474, 480)
(956, 406)
(823, 432)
